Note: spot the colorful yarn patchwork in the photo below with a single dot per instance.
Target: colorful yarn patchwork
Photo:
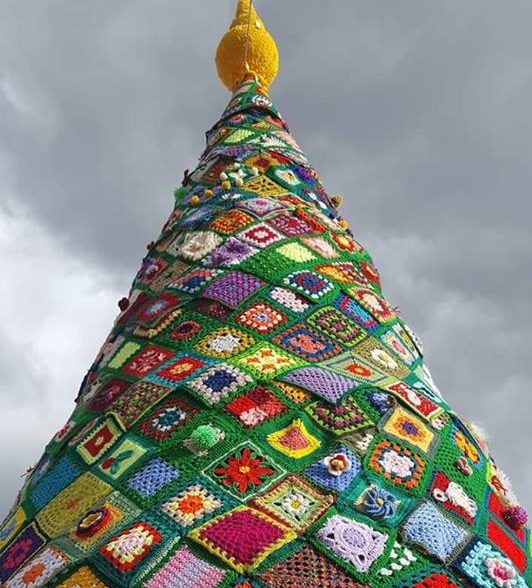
(152, 478)
(352, 542)
(242, 538)
(339, 474)
(186, 570)
(308, 567)
(218, 382)
(40, 570)
(258, 398)
(435, 533)
(293, 502)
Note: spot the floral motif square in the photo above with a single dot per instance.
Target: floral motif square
(186, 570)
(242, 538)
(353, 544)
(398, 465)
(405, 426)
(295, 440)
(266, 361)
(262, 318)
(233, 288)
(122, 458)
(125, 551)
(195, 245)
(219, 382)
(309, 283)
(232, 252)
(244, 471)
(167, 418)
(346, 417)
(195, 502)
(305, 343)
(293, 502)
(225, 342)
(336, 471)
(256, 406)
(332, 322)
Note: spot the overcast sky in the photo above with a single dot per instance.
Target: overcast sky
(417, 111)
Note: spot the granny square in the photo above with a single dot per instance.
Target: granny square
(23, 547)
(332, 322)
(178, 370)
(40, 570)
(325, 383)
(242, 538)
(152, 478)
(305, 343)
(356, 313)
(218, 382)
(309, 283)
(261, 317)
(195, 502)
(407, 427)
(233, 288)
(341, 419)
(167, 418)
(256, 406)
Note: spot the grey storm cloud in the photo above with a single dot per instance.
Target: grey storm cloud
(417, 112)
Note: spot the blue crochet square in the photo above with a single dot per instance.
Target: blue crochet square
(324, 474)
(431, 530)
(152, 478)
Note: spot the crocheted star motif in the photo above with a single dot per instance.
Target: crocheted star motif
(352, 542)
(243, 537)
(266, 361)
(186, 570)
(244, 471)
(225, 342)
(293, 502)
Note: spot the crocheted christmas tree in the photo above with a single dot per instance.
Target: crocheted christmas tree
(259, 415)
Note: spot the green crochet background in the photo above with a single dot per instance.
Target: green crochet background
(260, 416)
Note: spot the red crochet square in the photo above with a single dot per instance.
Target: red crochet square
(499, 538)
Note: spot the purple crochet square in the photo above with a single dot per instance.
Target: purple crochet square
(232, 252)
(233, 288)
(259, 206)
(325, 383)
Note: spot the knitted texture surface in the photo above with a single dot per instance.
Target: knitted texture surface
(260, 416)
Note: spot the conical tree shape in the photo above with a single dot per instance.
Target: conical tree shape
(259, 415)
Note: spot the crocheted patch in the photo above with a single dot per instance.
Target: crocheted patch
(260, 206)
(336, 471)
(193, 504)
(219, 382)
(53, 480)
(507, 545)
(485, 567)
(233, 288)
(262, 318)
(185, 330)
(178, 370)
(397, 340)
(225, 342)
(305, 343)
(452, 496)
(293, 502)
(333, 323)
(82, 578)
(341, 419)
(290, 300)
(374, 304)
(125, 551)
(194, 246)
(169, 417)
(290, 225)
(435, 533)
(186, 570)
(138, 400)
(265, 361)
(242, 538)
(325, 383)
(232, 252)
(70, 504)
(294, 440)
(195, 280)
(98, 440)
(106, 394)
(356, 313)
(29, 541)
(260, 235)
(377, 355)
(398, 465)
(244, 471)
(121, 458)
(378, 503)
(40, 570)
(295, 252)
(321, 246)
(308, 567)
(415, 400)
(256, 406)
(11, 525)
(231, 222)
(344, 272)
(152, 478)
(146, 361)
(353, 544)
(356, 368)
(407, 427)
(309, 283)
(400, 558)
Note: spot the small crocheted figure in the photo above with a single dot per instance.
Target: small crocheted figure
(259, 415)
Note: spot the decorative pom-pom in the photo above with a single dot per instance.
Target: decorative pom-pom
(205, 437)
(515, 517)
(123, 304)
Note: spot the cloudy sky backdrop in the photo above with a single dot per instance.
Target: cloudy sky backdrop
(417, 111)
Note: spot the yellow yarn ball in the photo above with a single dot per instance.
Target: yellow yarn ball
(262, 57)
(195, 200)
